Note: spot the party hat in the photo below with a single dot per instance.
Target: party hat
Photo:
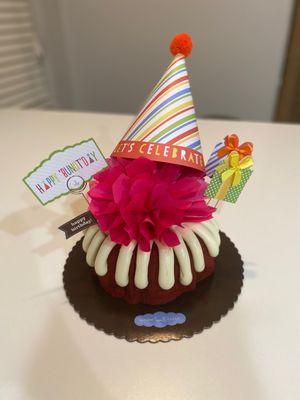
(166, 127)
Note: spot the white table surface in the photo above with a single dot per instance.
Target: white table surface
(48, 353)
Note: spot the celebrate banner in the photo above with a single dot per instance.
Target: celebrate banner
(160, 152)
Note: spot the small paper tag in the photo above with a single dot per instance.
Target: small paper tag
(78, 224)
(66, 170)
(160, 319)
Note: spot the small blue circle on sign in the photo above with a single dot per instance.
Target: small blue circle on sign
(160, 319)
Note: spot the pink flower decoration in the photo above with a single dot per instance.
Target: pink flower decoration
(142, 199)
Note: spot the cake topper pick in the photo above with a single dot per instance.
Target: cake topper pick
(166, 127)
(222, 149)
(230, 178)
(65, 171)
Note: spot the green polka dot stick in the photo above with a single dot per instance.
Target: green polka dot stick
(230, 178)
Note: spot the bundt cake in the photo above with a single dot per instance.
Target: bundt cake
(159, 275)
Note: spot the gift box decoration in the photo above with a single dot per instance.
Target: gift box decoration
(230, 178)
(223, 149)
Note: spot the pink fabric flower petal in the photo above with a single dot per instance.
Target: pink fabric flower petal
(162, 198)
(120, 236)
(169, 172)
(120, 189)
(103, 192)
(147, 229)
(169, 238)
(139, 193)
(170, 217)
(144, 244)
(140, 165)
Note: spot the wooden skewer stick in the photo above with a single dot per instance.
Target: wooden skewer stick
(217, 203)
(84, 196)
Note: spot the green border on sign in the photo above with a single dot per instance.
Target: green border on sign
(48, 159)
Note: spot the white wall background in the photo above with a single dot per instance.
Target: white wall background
(106, 55)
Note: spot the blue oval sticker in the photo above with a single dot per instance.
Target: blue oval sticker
(160, 319)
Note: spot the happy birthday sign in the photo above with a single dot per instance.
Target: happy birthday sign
(64, 169)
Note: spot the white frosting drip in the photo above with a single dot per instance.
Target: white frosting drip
(166, 277)
(183, 258)
(214, 222)
(213, 229)
(207, 236)
(193, 243)
(123, 264)
(99, 249)
(88, 236)
(141, 269)
(94, 247)
(102, 256)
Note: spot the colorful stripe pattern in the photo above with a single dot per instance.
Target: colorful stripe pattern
(168, 117)
(214, 160)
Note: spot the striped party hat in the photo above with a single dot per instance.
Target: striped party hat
(166, 127)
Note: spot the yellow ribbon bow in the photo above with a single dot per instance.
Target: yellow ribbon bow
(233, 167)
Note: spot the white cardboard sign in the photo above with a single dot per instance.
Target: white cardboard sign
(57, 175)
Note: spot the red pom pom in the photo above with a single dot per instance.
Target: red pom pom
(181, 44)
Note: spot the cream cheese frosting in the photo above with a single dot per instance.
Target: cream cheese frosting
(98, 247)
